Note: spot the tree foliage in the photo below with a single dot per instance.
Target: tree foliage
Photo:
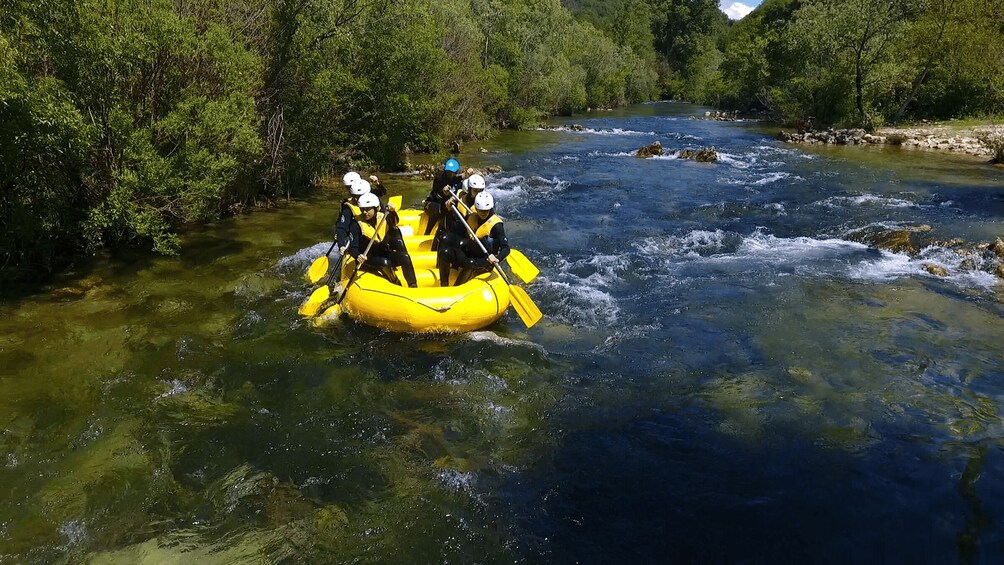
(867, 62)
(125, 119)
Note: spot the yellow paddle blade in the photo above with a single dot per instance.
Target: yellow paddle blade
(329, 316)
(522, 266)
(527, 310)
(313, 304)
(317, 269)
(395, 201)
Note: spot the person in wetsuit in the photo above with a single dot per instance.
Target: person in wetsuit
(465, 254)
(388, 251)
(350, 208)
(473, 186)
(435, 202)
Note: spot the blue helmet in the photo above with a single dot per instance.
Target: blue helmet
(452, 165)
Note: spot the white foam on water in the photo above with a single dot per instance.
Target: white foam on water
(865, 200)
(736, 161)
(601, 131)
(581, 287)
(670, 156)
(774, 177)
(75, 532)
(696, 243)
(760, 250)
(627, 333)
(763, 179)
(177, 387)
(607, 154)
(891, 266)
(456, 481)
(761, 243)
(303, 257)
(509, 342)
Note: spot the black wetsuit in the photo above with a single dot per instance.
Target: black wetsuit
(385, 255)
(346, 215)
(465, 254)
(435, 202)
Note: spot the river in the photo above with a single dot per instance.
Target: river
(723, 373)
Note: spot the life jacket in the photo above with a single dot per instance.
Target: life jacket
(370, 232)
(353, 207)
(485, 229)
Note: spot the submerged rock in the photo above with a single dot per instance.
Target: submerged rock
(903, 240)
(998, 248)
(650, 150)
(936, 270)
(705, 155)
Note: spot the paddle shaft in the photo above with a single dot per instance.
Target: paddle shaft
(497, 265)
(332, 248)
(366, 252)
(338, 266)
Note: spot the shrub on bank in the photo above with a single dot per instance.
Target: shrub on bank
(993, 139)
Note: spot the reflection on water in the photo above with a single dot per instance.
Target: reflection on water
(721, 375)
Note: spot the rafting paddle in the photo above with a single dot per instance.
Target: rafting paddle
(519, 263)
(522, 266)
(319, 296)
(520, 300)
(320, 265)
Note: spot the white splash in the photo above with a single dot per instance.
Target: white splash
(866, 200)
(303, 257)
(177, 387)
(582, 287)
(509, 342)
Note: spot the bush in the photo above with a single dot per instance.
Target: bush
(993, 139)
(895, 139)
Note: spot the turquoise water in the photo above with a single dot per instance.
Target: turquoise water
(725, 372)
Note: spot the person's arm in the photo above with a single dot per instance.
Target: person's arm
(354, 242)
(500, 243)
(342, 227)
(377, 187)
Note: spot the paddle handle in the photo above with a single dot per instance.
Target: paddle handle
(474, 236)
(365, 252)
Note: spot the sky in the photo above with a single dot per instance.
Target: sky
(738, 10)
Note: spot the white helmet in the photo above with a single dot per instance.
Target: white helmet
(476, 182)
(350, 177)
(368, 200)
(484, 201)
(359, 188)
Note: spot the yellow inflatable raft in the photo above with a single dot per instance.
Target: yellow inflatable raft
(376, 301)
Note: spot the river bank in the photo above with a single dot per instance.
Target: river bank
(946, 137)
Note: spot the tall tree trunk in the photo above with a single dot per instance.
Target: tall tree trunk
(917, 83)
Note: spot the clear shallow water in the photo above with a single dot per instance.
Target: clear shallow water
(722, 374)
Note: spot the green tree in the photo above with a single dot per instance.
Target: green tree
(856, 35)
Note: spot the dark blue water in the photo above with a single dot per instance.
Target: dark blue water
(727, 371)
(749, 382)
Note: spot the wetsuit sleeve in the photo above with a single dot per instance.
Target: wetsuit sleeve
(379, 189)
(392, 218)
(356, 236)
(342, 226)
(500, 244)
